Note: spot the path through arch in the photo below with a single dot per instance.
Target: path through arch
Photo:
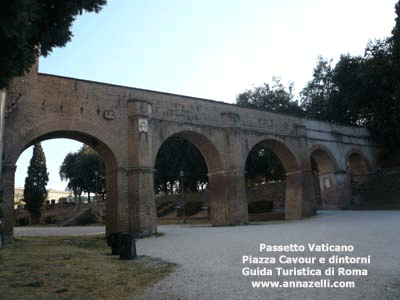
(293, 176)
(110, 161)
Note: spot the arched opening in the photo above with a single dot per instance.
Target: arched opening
(58, 139)
(220, 183)
(277, 178)
(54, 206)
(181, 182)
(324, 168)
(265, 183)
(358, 170)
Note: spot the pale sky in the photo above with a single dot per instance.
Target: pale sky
(208, 49)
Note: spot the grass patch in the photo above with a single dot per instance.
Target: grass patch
(74, 267)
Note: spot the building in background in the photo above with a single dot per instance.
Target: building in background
(18, 197)
(53, 196)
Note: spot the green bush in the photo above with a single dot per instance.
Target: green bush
(50, 219)
(165, 208)
(262, 206)
(88, 218)
(192, 208)
(22, 221)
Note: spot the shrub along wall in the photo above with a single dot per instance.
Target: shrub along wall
(274, 191)
(180, 199)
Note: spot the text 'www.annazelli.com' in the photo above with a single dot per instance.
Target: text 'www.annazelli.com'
(323, 283)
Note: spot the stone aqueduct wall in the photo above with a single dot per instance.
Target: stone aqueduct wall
(127, 126)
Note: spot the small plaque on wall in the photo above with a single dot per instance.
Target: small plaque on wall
(109, 115)
(143, 125)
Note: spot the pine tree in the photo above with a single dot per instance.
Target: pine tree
(35, 183)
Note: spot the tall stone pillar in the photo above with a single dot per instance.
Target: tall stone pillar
(7, 201)
(294, 195)
(227, 186)
(228, 198)
(308, 193)
(142, 218)
(300, 192)
(116, 193)
(300, 195)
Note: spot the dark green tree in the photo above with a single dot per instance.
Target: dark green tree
(70, 172)
(361, 90)
(29, 28)
(84, 171)
(317, 93)
(274, 98)
(394, 40)
(262, 166)
(174, 156)
(35, 183)
(92, 170)
(366, 85)
(357, 91)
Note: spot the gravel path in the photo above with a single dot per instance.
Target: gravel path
(210, 258)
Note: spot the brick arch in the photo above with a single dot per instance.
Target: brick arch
(357, 152)
(88, 133)
(358, 166)
(282, 151)
(93, 142)
(324, 158)
(206, 147)
(219, 203)
(294, 177)
(325, 183)
(127, 125)
(43, 132)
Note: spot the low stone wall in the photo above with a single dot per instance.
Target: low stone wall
(180, 199)
(274, 191)
(60, 212)
(272, 216)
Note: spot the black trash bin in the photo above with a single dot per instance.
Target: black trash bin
(127, 248)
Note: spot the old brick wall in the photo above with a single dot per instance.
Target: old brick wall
(127, 126)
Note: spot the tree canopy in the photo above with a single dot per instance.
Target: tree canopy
(361, 90)
(263, 166)
(35, 183)
(274, 98)
(29, 28)
(84, 171)
(316, 94)
(177, 155)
